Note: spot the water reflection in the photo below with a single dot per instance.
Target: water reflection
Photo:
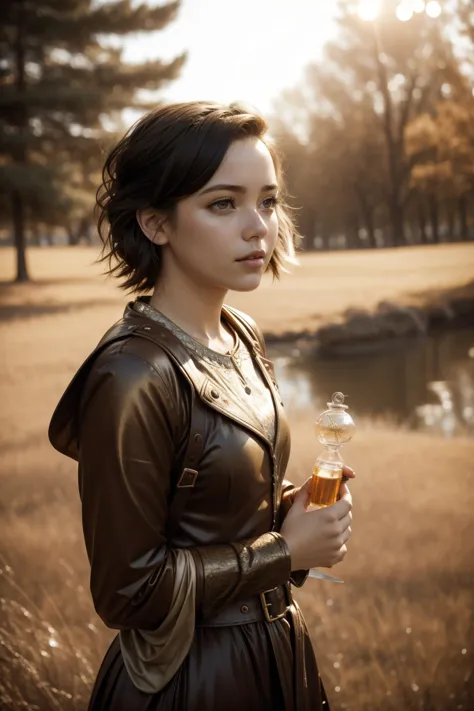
(426, 383)
(440, 417)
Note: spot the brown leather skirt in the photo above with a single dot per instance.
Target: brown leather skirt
(228, 668)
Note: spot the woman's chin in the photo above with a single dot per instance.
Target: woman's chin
(250, 283)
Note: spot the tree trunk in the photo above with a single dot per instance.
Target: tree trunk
(18, 211)
(462, 205)
(36, 234)
(355, 238)
(72, 237)
(451, 215)
(19, 236)
(350, 232)
(422, 221)
(312, 229)
(368, 214)
(434, 218)
(84, 231)
(397, 222)
(369, 221)
(326, 239)
(395, 152)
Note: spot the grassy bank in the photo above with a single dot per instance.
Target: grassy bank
(397, 635)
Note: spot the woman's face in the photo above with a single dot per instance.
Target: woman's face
(215, 231)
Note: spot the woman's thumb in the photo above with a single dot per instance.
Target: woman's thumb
(301, 499)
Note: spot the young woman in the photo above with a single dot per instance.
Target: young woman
(193, 535)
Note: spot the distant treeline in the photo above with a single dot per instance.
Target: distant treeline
(379, 139)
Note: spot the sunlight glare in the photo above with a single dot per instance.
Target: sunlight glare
(368, 9)
(419, 6)
(433, 8)
(288, 45)
(404, 12)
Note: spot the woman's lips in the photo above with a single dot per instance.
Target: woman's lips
(254, 262)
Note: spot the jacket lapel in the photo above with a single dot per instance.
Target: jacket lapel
(265, 367)
(223, 400)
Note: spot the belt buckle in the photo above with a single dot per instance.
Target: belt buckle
(266, 605)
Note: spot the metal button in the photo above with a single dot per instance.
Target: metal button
(214, 394)
(244, 608)
(197, 438)
(147, 328)
(247, 390)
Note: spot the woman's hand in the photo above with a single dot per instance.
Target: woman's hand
(347, 473)
(318, 538)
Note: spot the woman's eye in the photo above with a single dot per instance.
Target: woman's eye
(270, 202)
(223, 204)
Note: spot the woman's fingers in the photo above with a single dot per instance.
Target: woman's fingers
(347, 473)
(346, 535)
(301, 500)
(346, 521)
(344, 493)
(307, 485)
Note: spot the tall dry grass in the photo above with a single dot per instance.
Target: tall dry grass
(397, 635)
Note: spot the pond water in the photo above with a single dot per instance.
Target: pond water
(423, 383)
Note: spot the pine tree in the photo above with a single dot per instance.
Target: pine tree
(60, 78)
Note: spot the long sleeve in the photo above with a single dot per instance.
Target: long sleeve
(289, 491)
(130, 428)
(231, 572)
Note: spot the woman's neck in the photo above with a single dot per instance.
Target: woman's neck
(194, 309)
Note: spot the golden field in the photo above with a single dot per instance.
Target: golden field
(318, 291)
(398, 634)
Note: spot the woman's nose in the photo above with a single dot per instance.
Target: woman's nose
(255, 227)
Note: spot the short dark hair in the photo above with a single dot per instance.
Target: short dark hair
(167, 155)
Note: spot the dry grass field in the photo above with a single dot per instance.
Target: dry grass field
(318, 291)
(399, 634)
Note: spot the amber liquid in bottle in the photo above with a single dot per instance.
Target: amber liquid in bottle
(325, 485)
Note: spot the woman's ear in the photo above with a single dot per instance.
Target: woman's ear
(152, 224)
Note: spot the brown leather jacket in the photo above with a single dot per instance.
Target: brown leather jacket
(135, 411)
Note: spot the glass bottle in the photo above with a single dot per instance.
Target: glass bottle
(334, 428)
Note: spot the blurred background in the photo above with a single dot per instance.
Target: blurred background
(372, 105)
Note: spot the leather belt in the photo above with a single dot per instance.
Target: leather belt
(270, 605)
